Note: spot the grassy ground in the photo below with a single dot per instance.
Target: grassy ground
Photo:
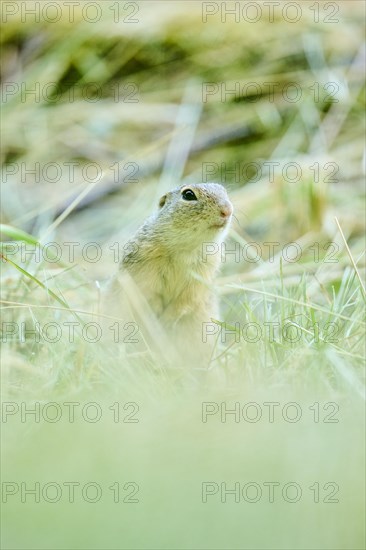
(152, 97)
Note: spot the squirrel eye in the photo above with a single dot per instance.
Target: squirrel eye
(188, 195)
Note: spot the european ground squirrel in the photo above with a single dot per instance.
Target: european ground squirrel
(169, 265)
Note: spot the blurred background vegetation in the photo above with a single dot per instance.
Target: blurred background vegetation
(117, 104)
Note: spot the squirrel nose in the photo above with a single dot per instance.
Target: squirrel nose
(226, 210)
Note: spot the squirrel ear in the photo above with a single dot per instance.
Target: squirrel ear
(162, 201)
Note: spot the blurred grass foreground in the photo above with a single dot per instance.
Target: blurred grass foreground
(105, 107)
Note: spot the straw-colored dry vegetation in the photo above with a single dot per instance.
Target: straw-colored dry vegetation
(143, 102)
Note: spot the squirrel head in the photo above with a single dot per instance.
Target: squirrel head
(195, 213)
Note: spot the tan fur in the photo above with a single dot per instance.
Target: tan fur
(165, 261)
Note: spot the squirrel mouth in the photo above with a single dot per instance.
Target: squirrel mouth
(219, 225)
